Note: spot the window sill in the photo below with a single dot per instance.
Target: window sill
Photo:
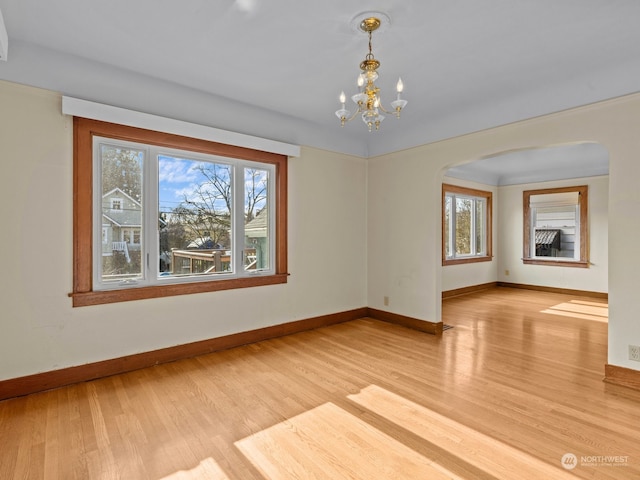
(555, 263)
(460, 261)
(83, 299)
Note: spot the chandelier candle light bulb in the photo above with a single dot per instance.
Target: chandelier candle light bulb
(398, 104)
(343, 112)
(368, 99)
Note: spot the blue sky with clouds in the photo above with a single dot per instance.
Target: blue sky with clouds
(178, 180)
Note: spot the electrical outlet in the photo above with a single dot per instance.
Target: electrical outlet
(506, 272)
(386, 302)
(634, 353)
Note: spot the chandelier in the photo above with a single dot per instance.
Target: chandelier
(368, 97)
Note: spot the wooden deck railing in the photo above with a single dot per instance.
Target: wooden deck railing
(207, 261)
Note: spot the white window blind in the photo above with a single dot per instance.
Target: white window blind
(554, 199)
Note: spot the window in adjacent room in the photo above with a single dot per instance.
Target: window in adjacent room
(466, 225)
(555, 226)
(158, 215)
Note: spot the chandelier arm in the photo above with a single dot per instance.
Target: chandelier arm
(384, 109)
(359, 110)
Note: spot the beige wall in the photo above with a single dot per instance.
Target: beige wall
(40, 331)
(404, 192)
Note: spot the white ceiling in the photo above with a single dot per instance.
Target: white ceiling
(536, 165)
(275, 68)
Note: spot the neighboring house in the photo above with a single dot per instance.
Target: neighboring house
(121, 223)
(204, 243)
(255, 233)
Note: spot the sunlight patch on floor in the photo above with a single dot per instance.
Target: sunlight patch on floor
(581, 309)
(207, 468)
(328, 442)
(466, 445)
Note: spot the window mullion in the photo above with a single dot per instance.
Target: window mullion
(480, 209)
(576, 228)
(237, 220)
(150, 247)
(453, 227)
(472, 232)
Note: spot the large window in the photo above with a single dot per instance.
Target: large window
(555, 226)
(466, 225)
(159, 215)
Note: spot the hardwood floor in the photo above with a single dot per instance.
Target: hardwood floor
(513, 387)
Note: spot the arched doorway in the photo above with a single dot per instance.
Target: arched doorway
(507, 175)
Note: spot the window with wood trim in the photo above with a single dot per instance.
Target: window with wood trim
(466, 225)
(555, 226)
(158, 215)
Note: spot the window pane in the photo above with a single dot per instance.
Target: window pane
(121, 212)
(194, 223)
(464, 209)
(555, 229)
(256, 217)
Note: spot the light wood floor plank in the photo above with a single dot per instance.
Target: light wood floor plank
(514, 386)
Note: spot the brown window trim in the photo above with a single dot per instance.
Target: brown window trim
(83, 132)
(583, 195)
(446, 188)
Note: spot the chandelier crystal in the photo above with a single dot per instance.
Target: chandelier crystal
(369, 106)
